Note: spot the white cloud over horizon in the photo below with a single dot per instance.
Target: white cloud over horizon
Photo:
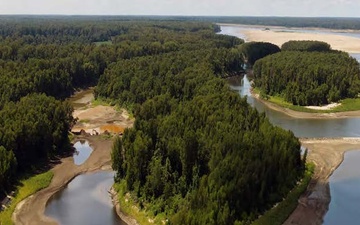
(306, 8)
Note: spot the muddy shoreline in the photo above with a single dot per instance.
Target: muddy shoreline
(31, 210)
(327, 154)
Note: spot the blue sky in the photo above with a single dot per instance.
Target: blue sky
(333, 8)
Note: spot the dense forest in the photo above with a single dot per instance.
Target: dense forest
(197, 152)
(323, 22)
(253, 51)
(308, 77)
(306, 46)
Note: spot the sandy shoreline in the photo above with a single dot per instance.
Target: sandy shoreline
(279, 35)
(31, 210)
(307, 115)
(327, 154)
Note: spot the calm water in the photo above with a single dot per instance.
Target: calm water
(82, 152)
(345, 195)
(345, 127)
(85, 201)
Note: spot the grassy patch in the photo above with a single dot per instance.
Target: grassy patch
(130, 207)
(98, 43)
(26, 188)
(84, 121)
(100, 101)
(349, 104)
(278, 214)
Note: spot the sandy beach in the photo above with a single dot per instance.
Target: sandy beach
(327, 154)
(307, 115)
(280, 35)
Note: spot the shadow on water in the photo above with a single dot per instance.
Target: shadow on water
(344, 183)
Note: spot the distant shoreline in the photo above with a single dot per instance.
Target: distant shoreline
(335, 38)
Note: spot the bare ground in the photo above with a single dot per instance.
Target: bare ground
(327, 154)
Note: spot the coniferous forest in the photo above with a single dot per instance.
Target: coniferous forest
(197, 152)
(308, 73)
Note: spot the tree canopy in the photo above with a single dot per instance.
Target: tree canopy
(306, 46)
(308, 78)
(253, 51)
(198, 152)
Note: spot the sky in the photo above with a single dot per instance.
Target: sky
(302, 8)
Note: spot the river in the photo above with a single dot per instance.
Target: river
(85, 201)
(340, 127)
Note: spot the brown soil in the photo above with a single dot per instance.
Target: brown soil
(327, 155)
(98, 118)
(31, 210)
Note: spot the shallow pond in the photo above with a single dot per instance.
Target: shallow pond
(82, 152)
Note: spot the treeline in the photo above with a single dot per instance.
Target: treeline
(308, 78)
(197, 153)
(323, 22)
(253, 51)
(31, 130)
(306, 46)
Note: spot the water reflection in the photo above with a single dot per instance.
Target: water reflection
(344, 127)
(344, 190)
(82, 152)
(85, 201)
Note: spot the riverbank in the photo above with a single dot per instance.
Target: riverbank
(306, 115)
(327, 154)
(31, 210)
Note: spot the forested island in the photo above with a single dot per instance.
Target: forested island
(197, 154)
(308, 73)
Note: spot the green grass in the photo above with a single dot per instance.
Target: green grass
(131, 208)
(84, 121)
(278, 214)
(103, 43)
(349, 104)
(26, 188)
